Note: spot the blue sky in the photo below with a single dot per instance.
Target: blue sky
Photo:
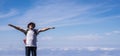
(79, 23)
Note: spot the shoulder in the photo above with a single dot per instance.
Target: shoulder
(35, 29)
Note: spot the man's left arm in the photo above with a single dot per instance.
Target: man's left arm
(45, 29)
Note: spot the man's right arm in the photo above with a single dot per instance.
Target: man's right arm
(18, 28)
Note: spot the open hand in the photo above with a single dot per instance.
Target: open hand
(9, 24)
(52, 27)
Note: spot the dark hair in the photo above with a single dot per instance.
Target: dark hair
(31, 23)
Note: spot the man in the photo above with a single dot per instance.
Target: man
(31, 37)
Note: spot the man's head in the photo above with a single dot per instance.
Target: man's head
(31, 25)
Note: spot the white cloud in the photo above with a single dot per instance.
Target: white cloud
(92, 48)
(81, 48)
(107, 49)
(116, 32)
(112, 32)
(108, 33)
(61, 14)
(88, 37)
(100, 48)
(1, 49)
(52, 13)
(46, 38)
(106, 54)
(4, 28)
(64, 14)
(89, 48)
(12, 12)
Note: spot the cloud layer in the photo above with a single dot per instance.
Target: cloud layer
(12, 12)
(66, 14)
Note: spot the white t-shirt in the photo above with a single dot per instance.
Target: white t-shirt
(31, 39)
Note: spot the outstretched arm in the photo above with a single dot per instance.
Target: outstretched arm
(45, 29)
(18, 28)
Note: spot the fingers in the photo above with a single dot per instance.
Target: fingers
(52, 28)
(9, 24)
